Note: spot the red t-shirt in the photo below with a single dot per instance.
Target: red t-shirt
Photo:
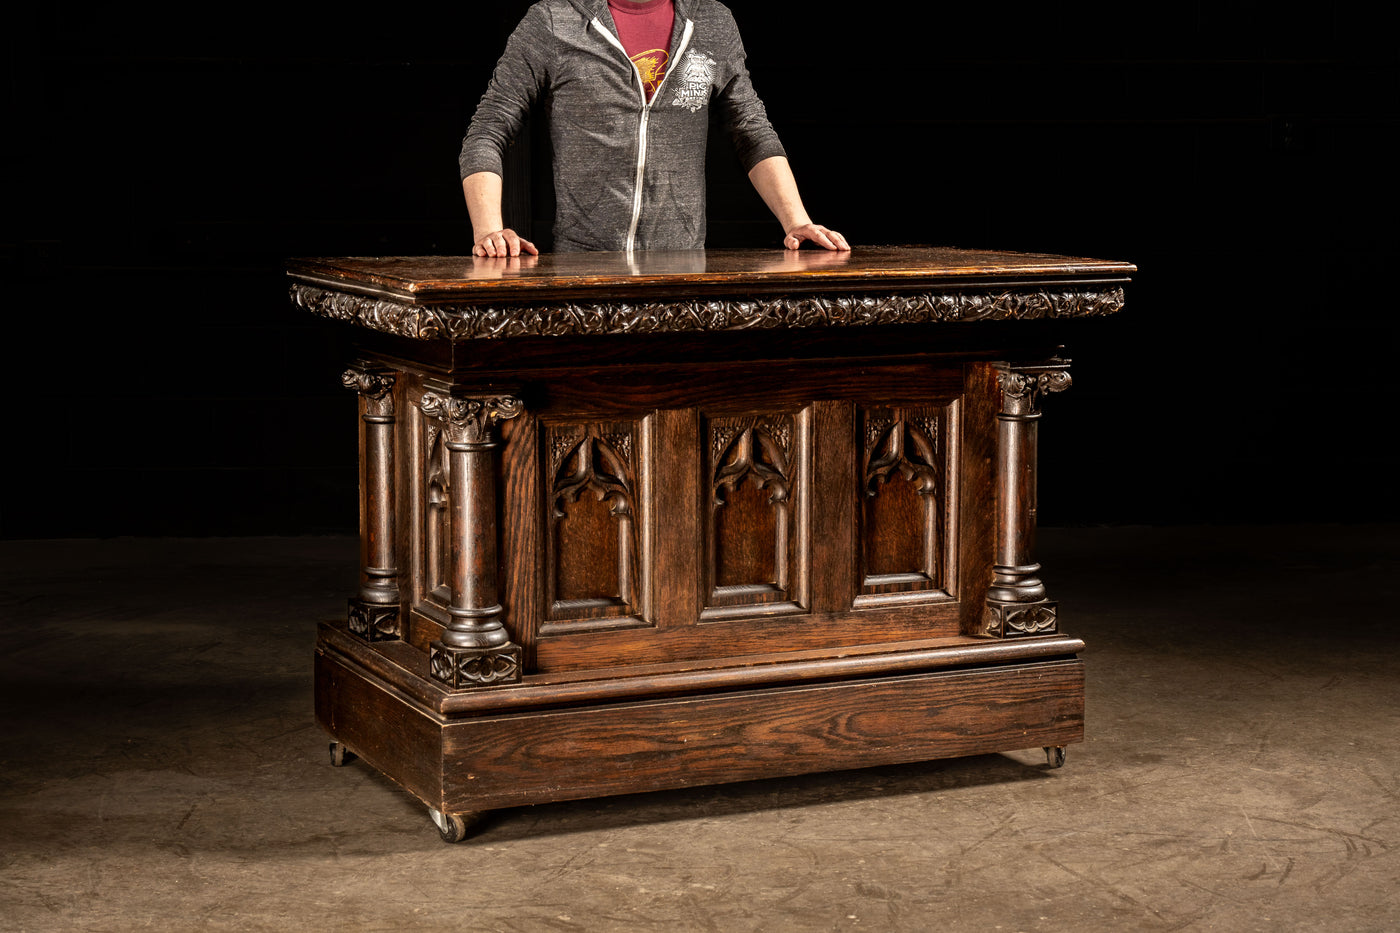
(645, 31)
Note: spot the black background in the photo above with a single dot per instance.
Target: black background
(161, 170)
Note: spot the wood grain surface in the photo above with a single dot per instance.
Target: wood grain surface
(427, 279)
(679, 743)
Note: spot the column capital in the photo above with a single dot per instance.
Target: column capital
(374, 384)
(470, 421)
(1023, 385)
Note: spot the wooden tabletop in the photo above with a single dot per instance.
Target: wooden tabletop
(659, 292)
(459, 279)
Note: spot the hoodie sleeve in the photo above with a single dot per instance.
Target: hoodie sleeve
(520, 76)
(741, 109)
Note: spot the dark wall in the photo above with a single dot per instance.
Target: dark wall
(1242, 156)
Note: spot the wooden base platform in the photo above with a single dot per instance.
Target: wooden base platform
(794, 719)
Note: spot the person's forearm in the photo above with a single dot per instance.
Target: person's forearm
(773, 180)
(483, 193)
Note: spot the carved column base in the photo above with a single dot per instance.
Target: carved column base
(474, 667)
(374, 622)
(1013, 620)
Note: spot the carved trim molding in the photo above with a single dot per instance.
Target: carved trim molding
(473, 322)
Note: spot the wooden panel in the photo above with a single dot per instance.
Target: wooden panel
(673, 497)
(750, 540)
(976, 495)
(755, 633)
(755, 469)
(395, 738)
(904, 495)
(522, 558)
(653, 745)
(763, 512)
(593, 512)
(585, 556)
(726, 387)
(436, 523)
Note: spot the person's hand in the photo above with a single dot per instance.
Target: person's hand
(502, 267)
(823, 237)
(503, 243)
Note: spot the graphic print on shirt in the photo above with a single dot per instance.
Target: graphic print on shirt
(697, 74)
(651, 65)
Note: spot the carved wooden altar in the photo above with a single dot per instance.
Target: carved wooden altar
(652, 520)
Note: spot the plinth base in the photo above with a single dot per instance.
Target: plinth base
(474, 667)
(373, 622)
(541, 742)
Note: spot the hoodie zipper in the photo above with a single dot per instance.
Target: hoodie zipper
(642, 123)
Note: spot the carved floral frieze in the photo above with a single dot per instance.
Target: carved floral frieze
(478, 322)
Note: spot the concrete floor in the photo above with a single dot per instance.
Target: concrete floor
(159, 768)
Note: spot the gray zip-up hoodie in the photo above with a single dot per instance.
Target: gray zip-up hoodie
(628, 173)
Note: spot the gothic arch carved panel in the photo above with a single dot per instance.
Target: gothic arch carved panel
(592, 551)
(904, 495)
(753, 529)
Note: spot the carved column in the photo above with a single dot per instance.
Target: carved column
(374, 611)
(1016, 603)
(475, 648)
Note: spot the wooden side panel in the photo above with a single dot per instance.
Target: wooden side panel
(522, 593)
(395, 738)
(975, 498)
(426, 531)
(653, 745)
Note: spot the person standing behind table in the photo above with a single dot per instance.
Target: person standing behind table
(626, 85)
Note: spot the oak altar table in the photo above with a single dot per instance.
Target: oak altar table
(660, 519)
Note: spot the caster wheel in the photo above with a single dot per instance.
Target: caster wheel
(453, 827)
(340, 755)
(1055, 756)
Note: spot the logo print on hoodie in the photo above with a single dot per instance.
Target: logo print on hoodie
(651, 65)
(697, 73)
